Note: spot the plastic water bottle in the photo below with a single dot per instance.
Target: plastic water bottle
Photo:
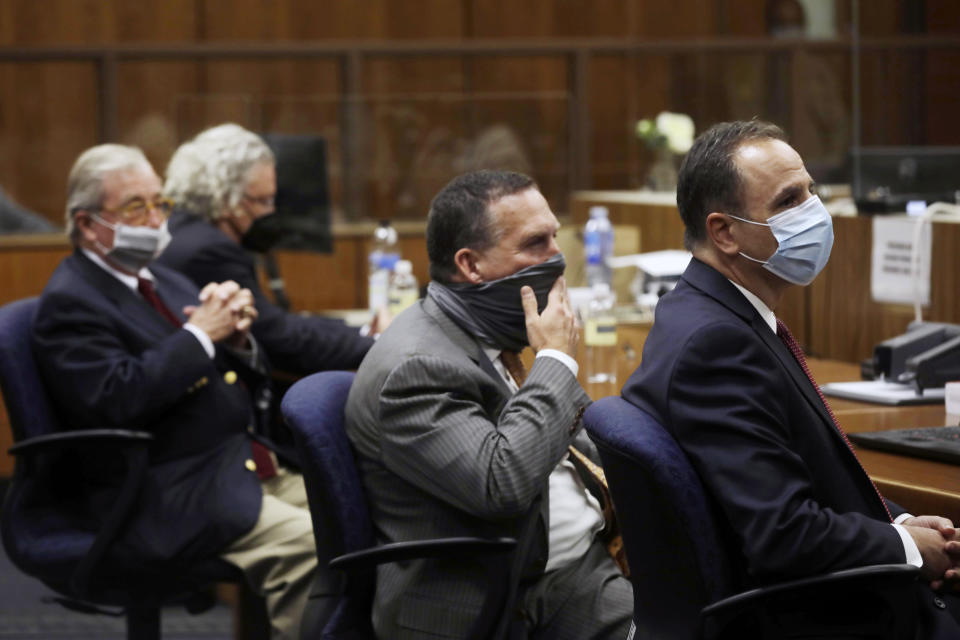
(600, 340)
(598, 246)
(383, 257)
(403, 290)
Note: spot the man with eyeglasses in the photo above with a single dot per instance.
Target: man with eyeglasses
(223, 182)
(124, 343)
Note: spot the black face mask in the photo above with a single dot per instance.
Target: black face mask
(493, 311)
(264, 233)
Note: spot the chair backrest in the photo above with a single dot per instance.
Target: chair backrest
(678, 557)
(314, 411)
(30, 410)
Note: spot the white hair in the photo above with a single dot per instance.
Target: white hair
(85, 184)
(207, 175)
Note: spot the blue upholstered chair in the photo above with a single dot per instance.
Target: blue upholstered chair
(687, 571)
(347, 556)
(40, 533)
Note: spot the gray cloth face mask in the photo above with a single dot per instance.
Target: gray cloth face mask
(134, 247)
(493, 311)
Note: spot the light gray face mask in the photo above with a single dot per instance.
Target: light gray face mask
(134, 247)
(804, 237)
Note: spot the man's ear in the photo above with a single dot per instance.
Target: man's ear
(84, 224)
(719, 232)
(466, 262)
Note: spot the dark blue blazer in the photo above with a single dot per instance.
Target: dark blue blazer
(794, 497)
(109, 360)
(293, 343)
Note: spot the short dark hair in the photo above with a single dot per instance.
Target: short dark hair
(460, 216)
(709, 179)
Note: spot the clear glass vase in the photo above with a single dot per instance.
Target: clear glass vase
(663, 172)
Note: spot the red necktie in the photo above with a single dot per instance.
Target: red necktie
(145, 287)
(787, 338)
(261, 455)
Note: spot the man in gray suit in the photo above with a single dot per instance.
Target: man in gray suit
(449, 444)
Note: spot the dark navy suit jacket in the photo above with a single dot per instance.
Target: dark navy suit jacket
(109, 360)
(293, 343)
(795, 498)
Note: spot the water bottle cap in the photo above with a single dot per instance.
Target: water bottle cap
(403, 267)
(599, 211)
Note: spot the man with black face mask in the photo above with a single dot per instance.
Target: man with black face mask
(223, 184)
(454, 439)
(730, 382)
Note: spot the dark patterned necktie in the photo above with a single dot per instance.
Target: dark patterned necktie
(787, 338)
(145, 287)
(587, 470)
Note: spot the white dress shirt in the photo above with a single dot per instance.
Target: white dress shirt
(575, 515)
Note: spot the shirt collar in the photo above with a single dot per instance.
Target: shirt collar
(758, 304)
(127, 279)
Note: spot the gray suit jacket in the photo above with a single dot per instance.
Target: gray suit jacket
(444, 450)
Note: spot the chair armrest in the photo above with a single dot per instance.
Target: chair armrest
(436, 548)
(52, 441)
(717, 617)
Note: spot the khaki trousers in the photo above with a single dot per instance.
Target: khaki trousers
(278, 555)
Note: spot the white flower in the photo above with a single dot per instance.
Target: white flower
(677, 128)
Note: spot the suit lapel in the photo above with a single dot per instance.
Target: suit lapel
(709, 281)
(132, 306)
(469, 345)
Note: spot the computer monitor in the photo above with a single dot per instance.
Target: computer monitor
(303, 192)
(890, 177)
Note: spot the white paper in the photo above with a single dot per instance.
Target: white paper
(882, 392)
(892, 276)
(657, 264)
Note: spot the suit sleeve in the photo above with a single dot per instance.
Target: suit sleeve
(105, 384)
(294, 343)
(437, 435)
(728, 412)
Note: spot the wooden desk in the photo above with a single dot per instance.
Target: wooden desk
(921, 486)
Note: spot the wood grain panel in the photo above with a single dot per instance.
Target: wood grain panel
(942, 78)
(549, 18)
(39, 137)
(676, 19)
(942, 16)
(225, 20)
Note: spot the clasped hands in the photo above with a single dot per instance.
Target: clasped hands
(225, 312)
(939, 544)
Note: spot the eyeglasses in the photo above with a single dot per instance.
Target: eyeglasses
(266, 202)
(137, 211)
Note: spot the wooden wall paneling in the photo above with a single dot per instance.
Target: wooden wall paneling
(152, 97)
(225, 20)
(518, 120)
(550, 18)
(942, 16)
(615, 149)
(821, 122)
(881, 18)
(414, 117)
(315, 282)
(61, 22)
(39, 137)
(676, 19)
(942, 81)
(155, 20)
(742, 18)
(27, 262)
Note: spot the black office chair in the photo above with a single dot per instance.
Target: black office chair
(342, 595)
(685, 568)
(42, 535)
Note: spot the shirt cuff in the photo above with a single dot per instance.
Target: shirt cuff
(567, 361)
(202, 336)
(909, 546)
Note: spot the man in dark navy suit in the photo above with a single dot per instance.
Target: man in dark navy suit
(124, 343)
(223, 183)
(732, 385)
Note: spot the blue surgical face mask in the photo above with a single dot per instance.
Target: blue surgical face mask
(804, 239)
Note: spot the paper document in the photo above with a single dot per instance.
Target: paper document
(882, 392)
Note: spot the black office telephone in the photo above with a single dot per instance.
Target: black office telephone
(926, 356)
